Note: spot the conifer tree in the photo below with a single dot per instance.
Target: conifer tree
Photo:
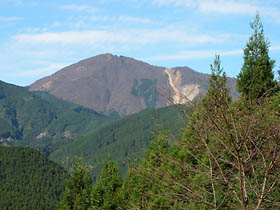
(256, 78)
(142, 188)
(78, 188)
(106, 192)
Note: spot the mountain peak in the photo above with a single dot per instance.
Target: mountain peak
(109, 82)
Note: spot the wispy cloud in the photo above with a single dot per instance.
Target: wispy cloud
(194, 54)
(78, 8)
(10, 19)
(134, 19)
(21, 2)
(136, 36)
(127, 19)
(49, 69)
(227, 7)
(237, 7)
(186, 3)
(275, 48)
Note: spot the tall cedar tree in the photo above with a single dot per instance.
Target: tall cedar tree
(256, 77)
(142, 187)
(78, 189)
(105, 194)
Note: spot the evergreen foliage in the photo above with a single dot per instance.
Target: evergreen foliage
(125, 140)
(142, 188)
(106, 192)
(256, 77)
(28, 180)
(146, 89)
(105, 195)
(41, 120)
(78, 188)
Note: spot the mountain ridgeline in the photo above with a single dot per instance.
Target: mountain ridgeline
(33, 119)
(107, 83)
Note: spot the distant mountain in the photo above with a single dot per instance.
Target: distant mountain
(36, 118)
(124, 140)
(28, 180)
(107, 83)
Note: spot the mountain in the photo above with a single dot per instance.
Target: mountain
(124, 140)
(109, 83)
(36, 118)
(29, 180)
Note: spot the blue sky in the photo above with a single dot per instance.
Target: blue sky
(40, 37)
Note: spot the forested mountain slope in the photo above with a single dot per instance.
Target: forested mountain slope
(28, 180)
(124, 140)
(35, 119)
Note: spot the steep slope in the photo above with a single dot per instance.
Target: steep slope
(125, 139)
(116, 83)
(107, 83)
(188, 85)
(29, 119)
(28, 180)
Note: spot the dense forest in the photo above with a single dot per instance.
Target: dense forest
(228, 156)
(36, 119)
(29, 180)
(126, 139)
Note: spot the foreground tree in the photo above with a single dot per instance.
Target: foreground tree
(256, 77)
(78, 189)
(143, 181)
(106, 192)
(228, 157)
(240, 162)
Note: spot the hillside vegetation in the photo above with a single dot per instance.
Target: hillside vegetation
(34, 120)
(28, 180)
(125, 140)
(63, 130)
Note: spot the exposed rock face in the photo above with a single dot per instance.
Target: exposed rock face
(187, 84)
(116, 83)
(182, 93)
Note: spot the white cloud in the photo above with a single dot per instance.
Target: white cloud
(135, 36)
(51, 68)
(10, 19)
(275, 48)
(78, 8)
(127, 19)
(237, 7)
(44, 53)
(195, 54)
(134, 19)
(187, 3)
(227, 7)
(21, 2)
